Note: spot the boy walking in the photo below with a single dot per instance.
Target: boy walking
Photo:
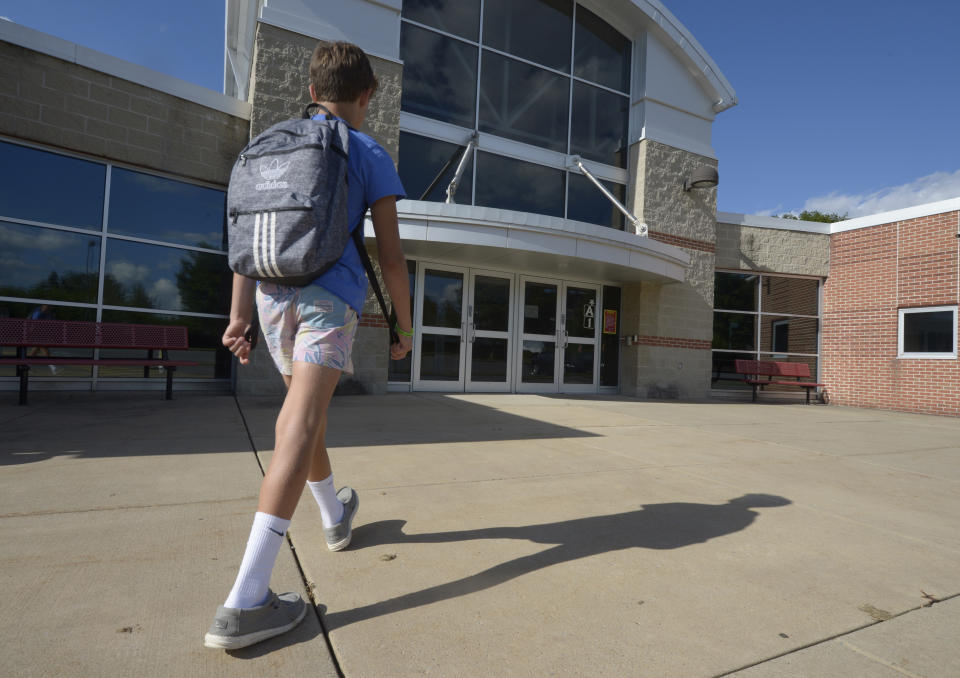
(309, 332)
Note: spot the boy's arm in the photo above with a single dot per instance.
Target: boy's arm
(393, 267)
(241, 317)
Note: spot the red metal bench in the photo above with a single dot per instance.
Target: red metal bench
(24, 333)
(760, 373)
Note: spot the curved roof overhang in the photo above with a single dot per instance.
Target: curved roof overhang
(495, 239)
(652, 15)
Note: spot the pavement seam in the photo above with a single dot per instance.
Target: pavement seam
(837, 636)
(879, 660)
(123, 507)
(296, 559)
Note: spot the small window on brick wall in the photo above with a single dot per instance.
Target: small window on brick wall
(928, 332)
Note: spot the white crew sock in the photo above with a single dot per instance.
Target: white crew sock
(331, 508)
(253, 580)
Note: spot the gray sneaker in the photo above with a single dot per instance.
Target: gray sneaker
(233, 628)
(338, 536)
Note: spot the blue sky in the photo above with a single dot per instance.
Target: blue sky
(848, 106)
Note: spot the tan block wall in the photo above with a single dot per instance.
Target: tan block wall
(68, 106)
(749, 248)
(673, 322)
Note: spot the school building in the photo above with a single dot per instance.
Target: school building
(560, 224)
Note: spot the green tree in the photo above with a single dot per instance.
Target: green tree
(815, 215)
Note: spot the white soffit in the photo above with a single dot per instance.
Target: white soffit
(701, 65)
(104, 63)
(490, 238)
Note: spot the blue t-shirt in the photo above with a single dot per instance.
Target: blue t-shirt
(372, 176)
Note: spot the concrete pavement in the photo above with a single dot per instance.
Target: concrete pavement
(498, 535)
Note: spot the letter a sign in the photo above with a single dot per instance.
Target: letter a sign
(588, 315)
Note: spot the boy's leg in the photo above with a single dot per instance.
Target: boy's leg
(300, 428)
(251, 612)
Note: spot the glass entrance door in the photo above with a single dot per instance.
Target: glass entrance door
(579, 338)
(439, 360)
(488, 332)
(558, 336)
(538, 313)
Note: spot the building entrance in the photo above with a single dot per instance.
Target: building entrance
(487, 331)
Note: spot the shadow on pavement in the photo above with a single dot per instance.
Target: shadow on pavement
(655, 526)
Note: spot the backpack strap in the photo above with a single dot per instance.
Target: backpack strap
(390, 316)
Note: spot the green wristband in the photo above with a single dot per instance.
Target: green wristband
(402, 332)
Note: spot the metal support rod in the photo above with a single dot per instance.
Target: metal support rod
(639, 227)
(461, 168)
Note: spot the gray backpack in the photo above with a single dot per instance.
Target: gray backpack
(287, 202)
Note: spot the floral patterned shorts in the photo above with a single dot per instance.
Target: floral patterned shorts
(306, 324)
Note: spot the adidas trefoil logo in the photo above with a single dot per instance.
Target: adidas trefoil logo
(272, 170)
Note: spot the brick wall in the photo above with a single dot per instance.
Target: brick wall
(874, 272)
(69, 106)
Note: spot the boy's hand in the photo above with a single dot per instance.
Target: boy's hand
(399, 350)
(234, 339)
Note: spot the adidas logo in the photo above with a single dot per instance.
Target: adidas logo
(272, 170)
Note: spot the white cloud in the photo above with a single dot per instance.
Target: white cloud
(165, 294)
(127, 274)
(931, 188)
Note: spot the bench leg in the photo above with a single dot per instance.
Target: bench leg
(23, 371)
(169, 371)
(754, 387)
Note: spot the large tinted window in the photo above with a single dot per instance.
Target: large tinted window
(601, 54)
(422, 159)
(163, 209)
(522, 186)
(599, 128)
(439, 76)
(508, 25)
(50, 188)
(460, 17)
(735, 291)
(150, 276)
(585, 202)
(524, 103)
(44, 263)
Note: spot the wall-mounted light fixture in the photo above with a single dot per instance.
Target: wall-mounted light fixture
(702, 177)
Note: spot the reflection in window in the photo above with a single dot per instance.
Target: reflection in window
(724, 374)
(156, 208)
(421, 159)
(788, 335)
(439, 76)
(734, 331)
(523, 103)
(508, 26)
(50, 188)
(599, 127)
(440, 357)
(610, 337)
(735, 291)
(151, 276)
(586, 203)
(489, 360)
(796, 296)
(442, 299)
(491, 304)
(44, 263)
(460, 17)
(578, 364)
(203, 336)
(581, 312)
(537, 365)
(928, 331)
(539, 308)
(516, 185)
(601, 53)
